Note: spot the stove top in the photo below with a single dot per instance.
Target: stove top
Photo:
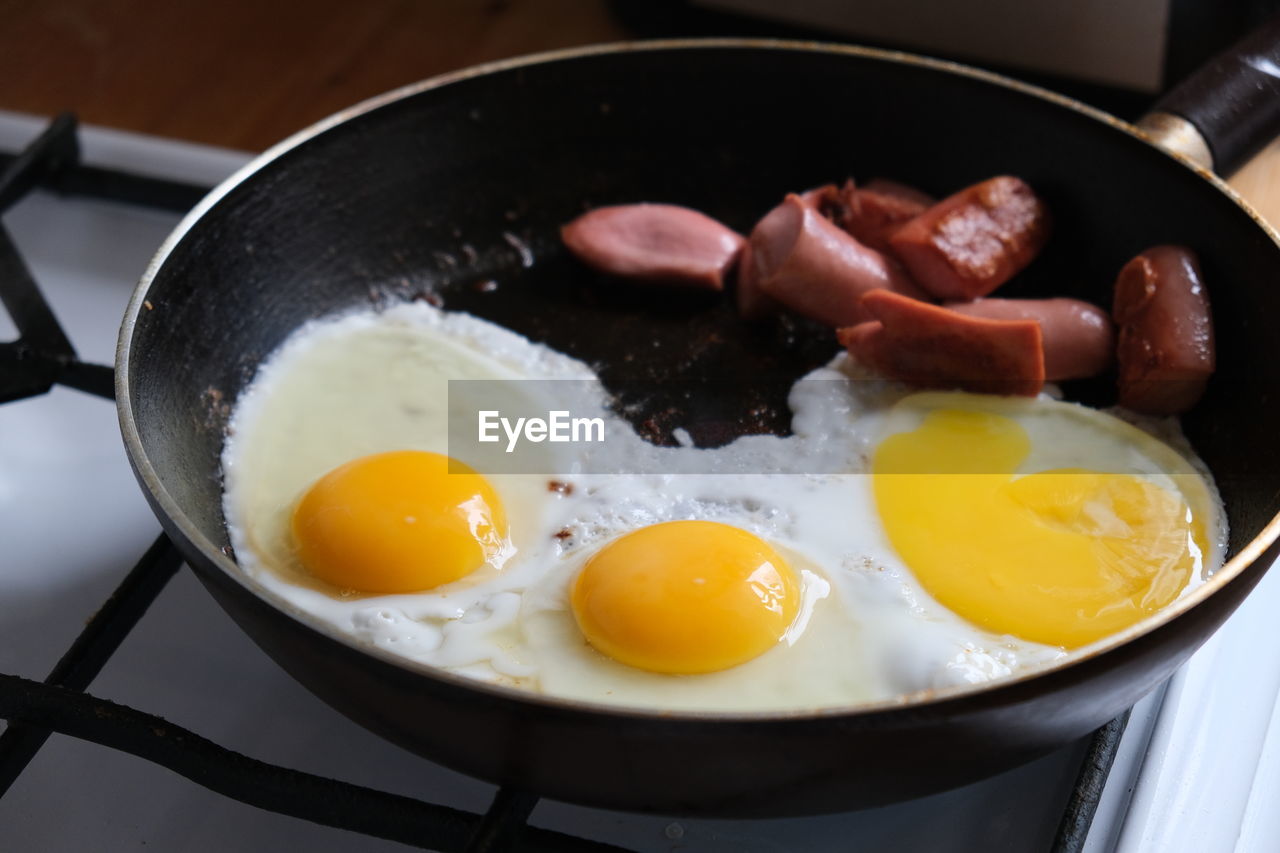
(1198, 762)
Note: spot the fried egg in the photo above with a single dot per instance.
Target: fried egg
(1046, 520)
(710, 580)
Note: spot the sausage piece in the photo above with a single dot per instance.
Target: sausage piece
(931, 346)
(874, 211)
(1165, 352)
(753, 303)
(655, 242)
(810, 265)
(1078, 337)
(967, 245)
(909, 196)
(829, 200)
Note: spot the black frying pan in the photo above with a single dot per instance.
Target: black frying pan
(366, 205)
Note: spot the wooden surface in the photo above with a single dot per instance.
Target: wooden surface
(246, 73)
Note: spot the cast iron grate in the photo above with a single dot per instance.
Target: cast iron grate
(43, 356)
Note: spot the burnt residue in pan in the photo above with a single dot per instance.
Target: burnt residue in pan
(670, 358)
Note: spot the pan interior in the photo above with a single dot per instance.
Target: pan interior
(431, 194)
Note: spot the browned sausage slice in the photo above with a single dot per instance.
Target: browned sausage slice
(901, 192)
(829, 200)
(874, 211)
(1078, 337)
(926, 345)
(655, 242)
(967, 245)
(1165, 353)
(816, 269)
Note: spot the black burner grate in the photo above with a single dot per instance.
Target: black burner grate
(43, 356)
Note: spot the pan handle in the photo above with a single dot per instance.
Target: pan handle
(1229, 109)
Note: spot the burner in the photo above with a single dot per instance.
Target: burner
(42, 356)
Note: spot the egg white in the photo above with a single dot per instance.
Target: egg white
(367, 382)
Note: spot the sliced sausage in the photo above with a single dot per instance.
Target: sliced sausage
(1165, 353)
(903, 193)
(1078, 337)
(829, 200)
(967, 245)
(753, 303)
(927, 345)
(813, 267)
(655, 242)
(874, 211)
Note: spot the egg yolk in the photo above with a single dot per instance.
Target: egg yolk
(398, 522)
(1061, 557)
(685, 597)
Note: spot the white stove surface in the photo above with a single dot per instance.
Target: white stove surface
(73, 522)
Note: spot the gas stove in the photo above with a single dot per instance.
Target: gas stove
(1195, 766)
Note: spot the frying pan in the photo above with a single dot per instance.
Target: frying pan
(376, 203)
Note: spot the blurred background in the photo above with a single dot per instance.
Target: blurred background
(245, 73)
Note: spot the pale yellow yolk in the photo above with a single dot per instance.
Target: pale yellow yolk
(685, 597)
(398, 522)
(1060, 557)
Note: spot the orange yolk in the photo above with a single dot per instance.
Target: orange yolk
(398, 522)
(1061, 557)
(685, 597)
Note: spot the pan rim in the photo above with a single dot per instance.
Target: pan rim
(931, 700)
